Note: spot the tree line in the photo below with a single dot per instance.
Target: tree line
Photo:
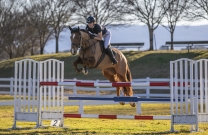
(27, 25)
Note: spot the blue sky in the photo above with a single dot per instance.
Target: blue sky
(139, 33)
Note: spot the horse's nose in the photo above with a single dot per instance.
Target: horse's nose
(73, 52)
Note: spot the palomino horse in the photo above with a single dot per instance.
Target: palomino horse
(92, 55)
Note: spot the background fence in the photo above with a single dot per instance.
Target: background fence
(7, 87)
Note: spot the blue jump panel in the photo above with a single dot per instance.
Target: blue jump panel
(119, 99)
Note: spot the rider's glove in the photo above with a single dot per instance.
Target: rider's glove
(92, 36)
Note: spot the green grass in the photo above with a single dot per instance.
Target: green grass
(6, 97)
(154, 64)
(87, 126)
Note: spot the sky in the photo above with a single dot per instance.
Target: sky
(139, 33)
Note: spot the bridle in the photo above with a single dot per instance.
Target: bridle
(77, 45)
(80, 43)
(87, 45)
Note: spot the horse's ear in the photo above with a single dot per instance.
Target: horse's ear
(78, 28)
(70, 28)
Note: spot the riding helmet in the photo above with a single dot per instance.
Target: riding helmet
(90, 19)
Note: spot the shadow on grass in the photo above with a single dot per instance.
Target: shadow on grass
(68, 131)
(139, 133)
(34, 131)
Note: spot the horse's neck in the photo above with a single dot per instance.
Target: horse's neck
(88, 43)
(91, 50)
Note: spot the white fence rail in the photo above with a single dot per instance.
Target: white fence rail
(9, 85)
(7, 88)
(95, 91)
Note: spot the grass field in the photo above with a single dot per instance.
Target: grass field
(154, 64)
(87, 126)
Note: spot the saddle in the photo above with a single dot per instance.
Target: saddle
(103, 50)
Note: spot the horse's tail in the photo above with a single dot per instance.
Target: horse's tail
(128, 75)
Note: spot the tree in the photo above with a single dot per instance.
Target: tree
(105, 12)
(149, 12)
(10, 21)
(198, 10)
(39, 14)
(60, 14)
(29, 34)
(26, 40)
(174, 8)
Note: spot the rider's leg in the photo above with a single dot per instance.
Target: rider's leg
(107, 38)
(111, 55)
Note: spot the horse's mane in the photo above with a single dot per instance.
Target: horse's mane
(83, 30)
(76, 30)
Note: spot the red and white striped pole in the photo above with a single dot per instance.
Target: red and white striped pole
(136, 117)
(105, 84)
(110, 84)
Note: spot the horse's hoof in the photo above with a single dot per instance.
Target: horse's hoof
(85, 72)
(122, 103)
(132, 104)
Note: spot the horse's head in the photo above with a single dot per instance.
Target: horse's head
(75, 40)
(78, 37)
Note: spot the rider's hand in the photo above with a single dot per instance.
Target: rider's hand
(92, 36)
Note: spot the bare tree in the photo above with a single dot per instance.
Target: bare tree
(198, 10)
(39, 15)
(10, 17)
(26, 40)
(33, 40)
(175, 8)
(60, 14)
(5, 10)
(105, 12)
(150, 12)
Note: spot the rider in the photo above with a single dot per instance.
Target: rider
(101, 33)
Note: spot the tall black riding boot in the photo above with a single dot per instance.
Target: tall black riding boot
(111, 55)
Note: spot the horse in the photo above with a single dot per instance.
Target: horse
(92, 55)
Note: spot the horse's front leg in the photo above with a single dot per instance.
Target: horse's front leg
(76, 62)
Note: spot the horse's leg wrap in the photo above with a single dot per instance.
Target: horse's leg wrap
(85, 70)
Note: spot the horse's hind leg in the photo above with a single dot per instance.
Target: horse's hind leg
(112, 78)
(127, 90)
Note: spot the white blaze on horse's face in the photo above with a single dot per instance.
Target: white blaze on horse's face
(73, 36)
(75, 41)
(72, 51)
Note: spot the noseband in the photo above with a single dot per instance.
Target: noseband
(76, 45)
